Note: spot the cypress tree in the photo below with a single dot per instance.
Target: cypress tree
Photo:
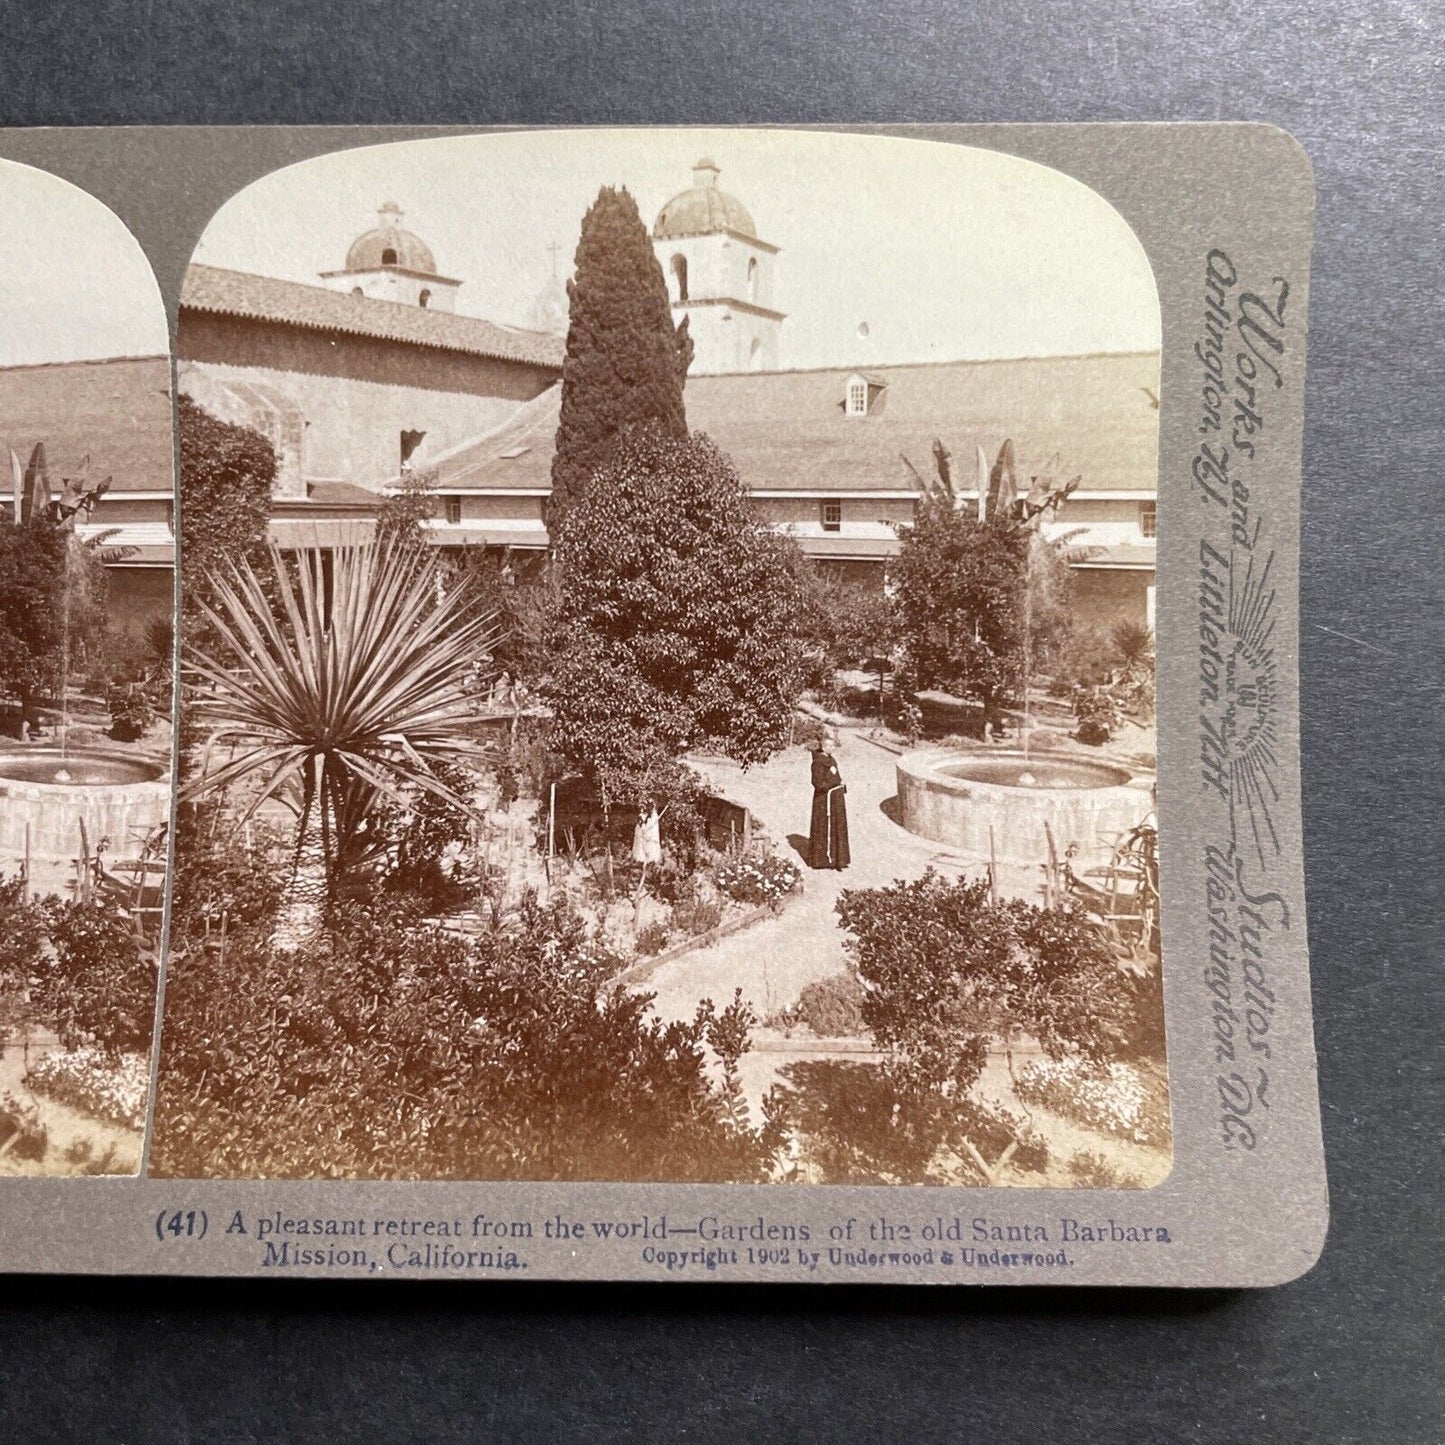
(626, 361)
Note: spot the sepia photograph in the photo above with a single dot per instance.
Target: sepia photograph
(87, 558)
(666, 640)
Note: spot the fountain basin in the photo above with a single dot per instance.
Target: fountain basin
(960, 798)
(45, 797)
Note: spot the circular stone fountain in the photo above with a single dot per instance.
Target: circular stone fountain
(49, 795)
(957, 798)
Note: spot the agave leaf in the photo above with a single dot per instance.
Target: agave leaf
(335, 694)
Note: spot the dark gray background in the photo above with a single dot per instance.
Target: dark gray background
(1350, 1352)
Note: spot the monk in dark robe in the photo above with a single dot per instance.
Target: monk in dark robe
(828, 837)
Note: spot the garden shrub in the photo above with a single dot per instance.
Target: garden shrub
(694, 916)
(22, 936)
(97, 982)
(429, 842)
(1097, 713)
(131, 712)
(862, 1123)
(83, 1160)
(221, 877)
(652, 938)
(1144, 1040)
(832, 1007)
(669, 883)
(944, 974)
(947, 972)
(385, 1050)
(21, 1127)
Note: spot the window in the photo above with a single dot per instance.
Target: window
(1149, 519)
(454, 510)
(388, 257)
(425, 298)
(410, 441)
(857, 397)
(679, 275)
(752, 278)
(832, 515)
(357, 291)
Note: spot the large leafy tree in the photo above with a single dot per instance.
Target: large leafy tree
(977, 604)
(679, 619)
(626, 360)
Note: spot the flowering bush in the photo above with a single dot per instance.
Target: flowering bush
(20, 1128)
(1114, 1098)
(759, 880)
(84, 1080)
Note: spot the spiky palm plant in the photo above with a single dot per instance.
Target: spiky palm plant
(334, 694)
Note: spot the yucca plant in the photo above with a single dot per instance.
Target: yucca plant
(334, 698)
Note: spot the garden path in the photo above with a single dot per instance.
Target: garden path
(773, 961)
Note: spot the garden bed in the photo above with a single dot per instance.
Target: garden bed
(1117, 1099)
(84, 1080)
(748, 915)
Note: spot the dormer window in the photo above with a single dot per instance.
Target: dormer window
(863, 394)
(388, 256)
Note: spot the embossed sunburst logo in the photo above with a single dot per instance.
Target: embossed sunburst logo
(1239, 693)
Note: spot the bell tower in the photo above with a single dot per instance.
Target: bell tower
(390, 263)
(719, 275)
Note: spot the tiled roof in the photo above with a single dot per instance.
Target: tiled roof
(341, 494)
(1086, 416)
(264, 298)
(516, 455)
(118, 412)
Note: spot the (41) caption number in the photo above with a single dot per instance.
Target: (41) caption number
(181, 1224)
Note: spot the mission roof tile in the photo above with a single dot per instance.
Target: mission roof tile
(1088, 416)
(117, 412)
(291, 303)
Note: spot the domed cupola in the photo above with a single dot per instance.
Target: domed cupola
(388, 243)
(390, 263)
(719, 276)
(703, 209)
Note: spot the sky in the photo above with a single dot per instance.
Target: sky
(893, 250)
(74, 282)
